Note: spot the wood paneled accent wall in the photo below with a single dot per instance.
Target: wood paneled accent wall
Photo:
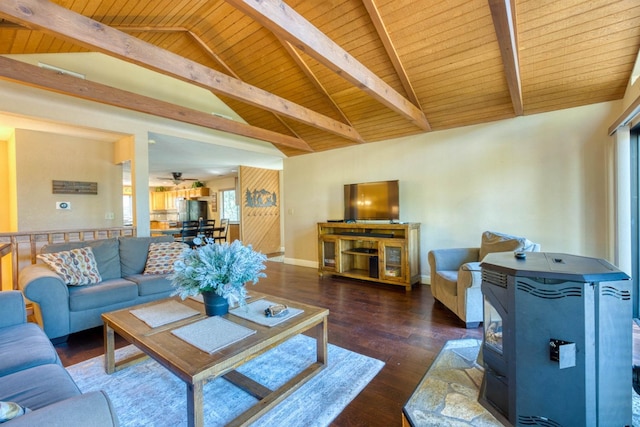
(260, 208)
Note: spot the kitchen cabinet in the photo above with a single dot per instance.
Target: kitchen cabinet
(157, 200)
(194, 193)
(166, 200)
(169, 200)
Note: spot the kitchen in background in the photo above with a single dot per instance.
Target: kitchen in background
(170, 207)
(191, 210)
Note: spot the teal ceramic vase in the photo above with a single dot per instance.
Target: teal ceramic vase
(214, 304)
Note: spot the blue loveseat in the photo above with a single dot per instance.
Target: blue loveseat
(120, 261)
(32, 376)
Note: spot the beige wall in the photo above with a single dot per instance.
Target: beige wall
(42, 157)
(543, 176)
(7, 205)
(5, 178)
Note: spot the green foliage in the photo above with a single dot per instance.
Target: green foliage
(220, 268)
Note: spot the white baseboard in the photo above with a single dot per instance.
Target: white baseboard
(301, 262)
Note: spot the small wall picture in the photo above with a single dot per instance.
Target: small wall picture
(74, 187)
(213, 202)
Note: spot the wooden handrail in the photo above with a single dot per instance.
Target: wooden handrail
(12, 242)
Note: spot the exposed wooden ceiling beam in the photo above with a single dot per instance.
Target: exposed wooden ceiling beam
(68, 25)
(197, 40)
(374, 14)
(312, 77)
(190, 34)
(10, 25)
(31, 75)
(287, 24)
(194, 37)
(230, 71)
(503, 13)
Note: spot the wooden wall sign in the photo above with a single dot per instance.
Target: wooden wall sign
(259, 198)
(74, 187)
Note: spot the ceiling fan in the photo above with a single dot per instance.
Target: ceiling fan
(177, 178)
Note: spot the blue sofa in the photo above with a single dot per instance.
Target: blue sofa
(32, 376)
(67, 309)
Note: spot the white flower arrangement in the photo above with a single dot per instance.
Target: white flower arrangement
(220, 268)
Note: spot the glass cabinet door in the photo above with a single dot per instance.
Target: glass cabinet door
(329, 252)
(394, 262)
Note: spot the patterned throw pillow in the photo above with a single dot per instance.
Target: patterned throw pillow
(162, 256)
(76, 267)
(11, 410)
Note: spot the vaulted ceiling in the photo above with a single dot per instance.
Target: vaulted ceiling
(310, 76)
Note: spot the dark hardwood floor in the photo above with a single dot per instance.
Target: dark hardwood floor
(403, 329)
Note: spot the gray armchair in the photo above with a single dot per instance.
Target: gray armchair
(456, 277)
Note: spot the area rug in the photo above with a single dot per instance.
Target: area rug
(146, 394)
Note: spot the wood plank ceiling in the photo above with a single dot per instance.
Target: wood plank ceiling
(319, 75)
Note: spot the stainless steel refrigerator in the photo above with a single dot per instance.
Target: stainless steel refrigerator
(191, 210)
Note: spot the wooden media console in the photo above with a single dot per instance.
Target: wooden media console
(384, 253)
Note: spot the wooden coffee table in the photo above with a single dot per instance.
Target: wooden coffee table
(196, 367)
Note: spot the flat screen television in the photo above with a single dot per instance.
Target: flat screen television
(372, 201)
